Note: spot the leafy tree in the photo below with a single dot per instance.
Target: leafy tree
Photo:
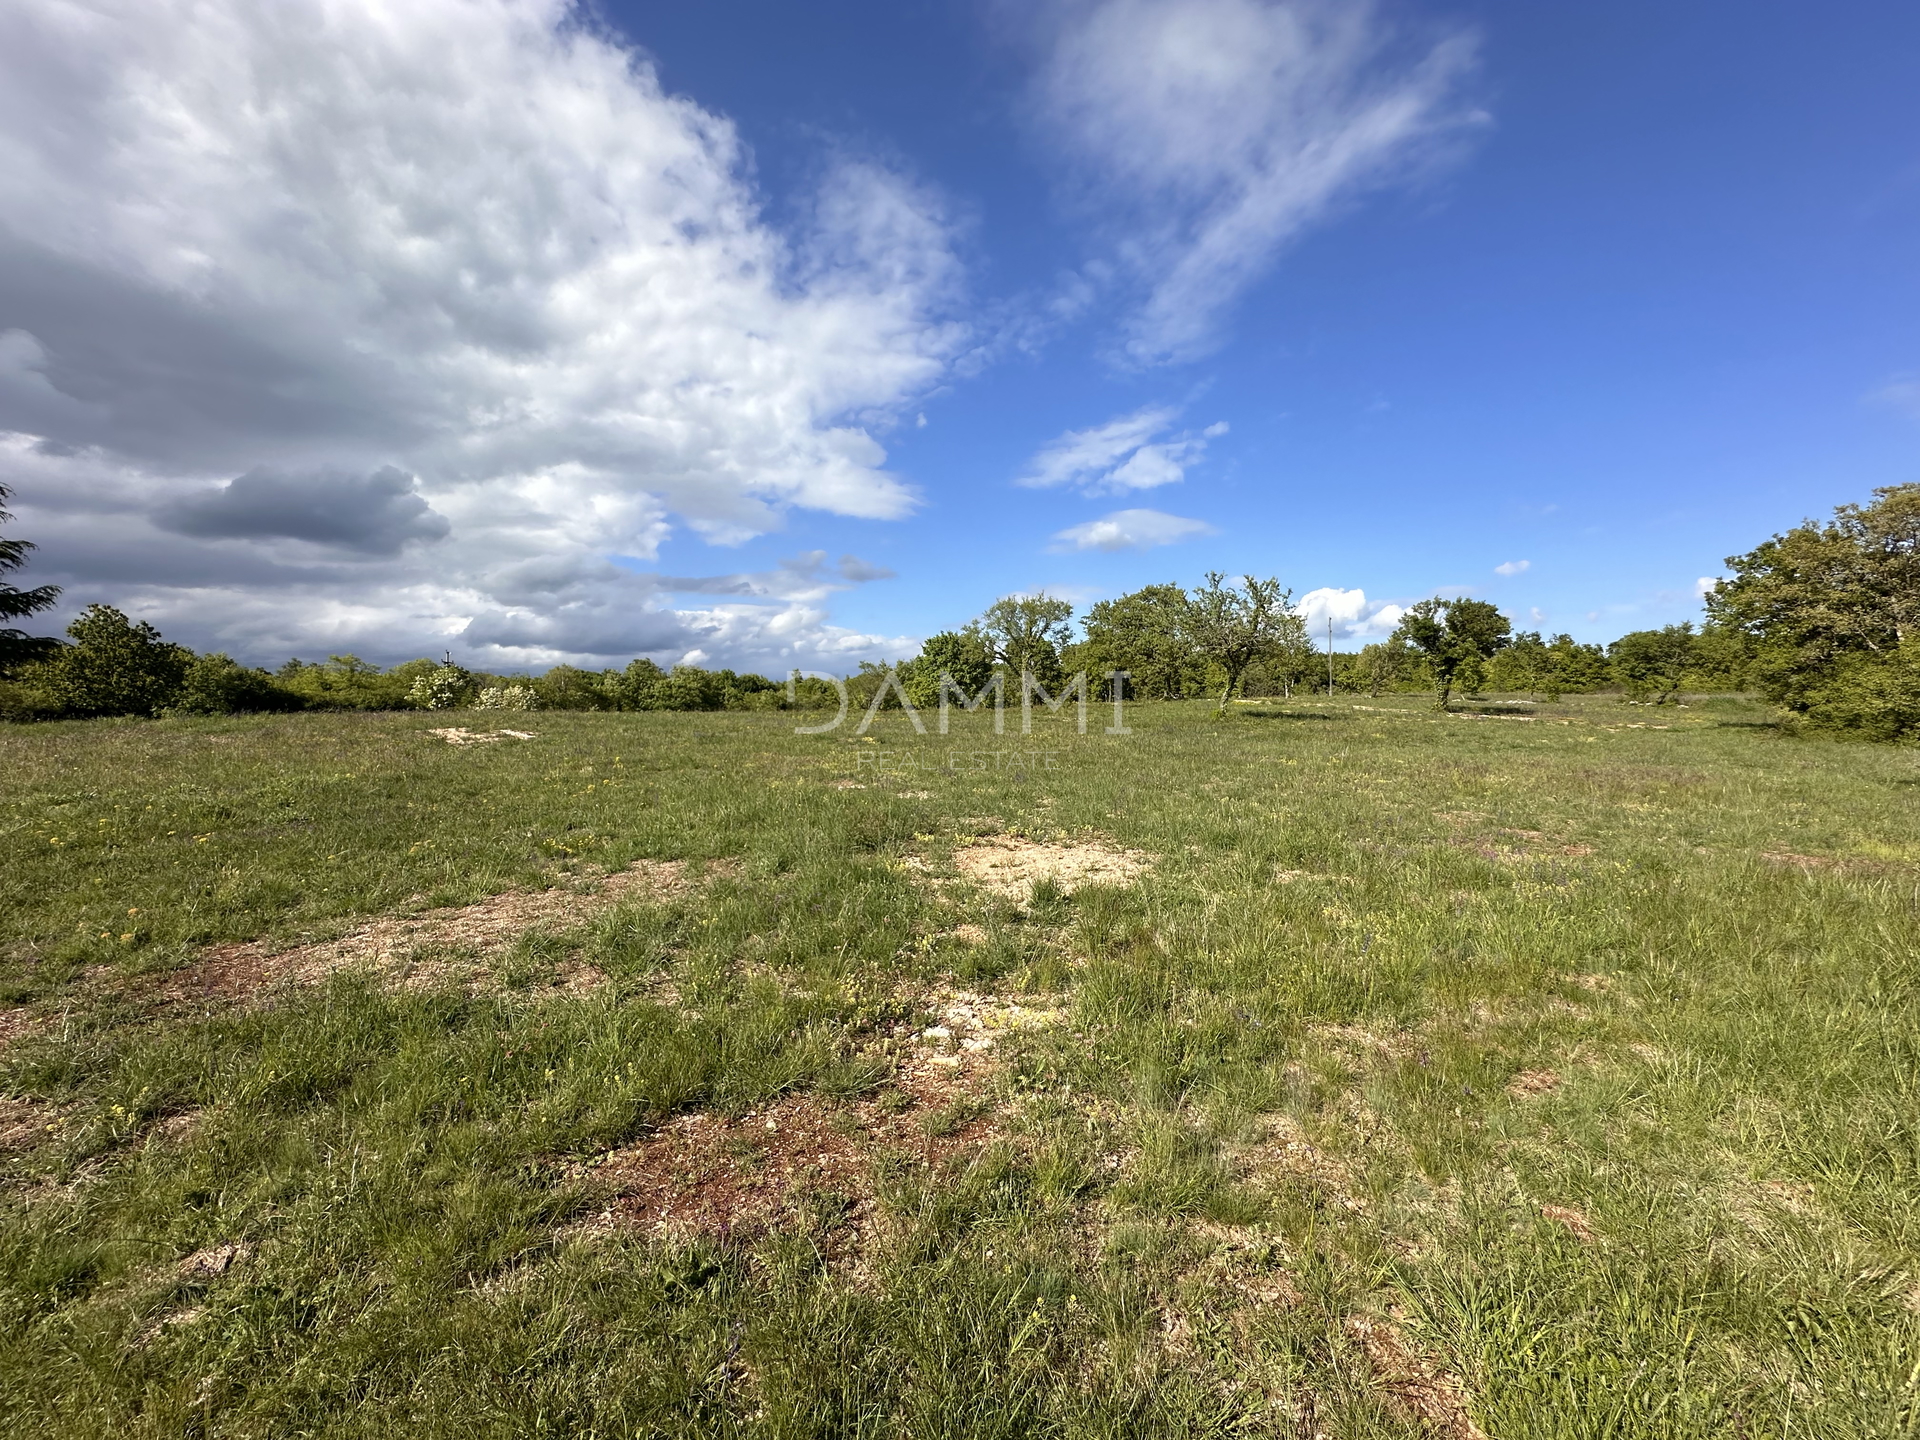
(1823, 605)
(1653, 663)
(18, 648)
(1576, 668)
(1025, 633)
(1384, 664)
(961, 654)
(1457, 637)
(217, 684)
(113, 667)
(1233, 626)
(1146, 635)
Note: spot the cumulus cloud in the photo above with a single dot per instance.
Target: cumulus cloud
(1354, 616)
(1133, 452)
(1131, 530)
(472, 242)
(1513, 567)
(1212, 132)
(1706, 585)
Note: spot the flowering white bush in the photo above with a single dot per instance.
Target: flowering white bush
(507, 697)
(442, 689)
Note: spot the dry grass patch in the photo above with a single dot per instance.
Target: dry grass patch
(396, 943)
(1011, 866)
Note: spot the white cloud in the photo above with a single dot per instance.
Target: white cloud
(1131, 530)
(1133, 452)
(1352, 614)
(1901, 391)
(1706, 585)
(1215, 131)
(472, 240)
(1513, 567)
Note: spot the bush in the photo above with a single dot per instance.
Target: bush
(506, 697)
(113, 667)
(218, 685)
(444, 687)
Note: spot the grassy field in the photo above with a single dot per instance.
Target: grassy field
(1408, 1075)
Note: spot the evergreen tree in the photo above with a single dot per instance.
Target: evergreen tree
(17, 647)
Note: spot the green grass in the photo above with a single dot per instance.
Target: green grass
(1279, 1116)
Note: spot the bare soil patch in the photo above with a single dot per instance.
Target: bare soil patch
(1421, 1388)
(1009, 865)
(812, 1162)
(395, 943)
(460, 735)
(1533, 1082)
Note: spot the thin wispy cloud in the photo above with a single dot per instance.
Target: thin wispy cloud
(1140, 451)
(1901, 391)
(1209, 133)
(1131, 530)
(1513, 567)
(464, 267)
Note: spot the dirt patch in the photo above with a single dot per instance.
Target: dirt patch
(1533, 1082)
(1419, 1387)
(1574, 1220)
(970, 1024)
(396, 944)
(1010, 866)
(25, 1123)
(1285, 1149)
(808, 1161)
(460, 735)
(213, 1262)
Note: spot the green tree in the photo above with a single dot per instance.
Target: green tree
(1652, 664)
(1458, 637)
(1526, 664)
(18, 648)
(1823, 605)
(1024, 634)
(113, 667)
(1384, 664)
(962, 654)
(1234, 626)
(1145, 634)
(218, 684)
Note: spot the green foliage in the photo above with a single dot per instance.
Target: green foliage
(1828, 611)
(507, 697)
(961, 654)
(1653, 664)
(1231, 627)
(1024, 634)
(113, 667)
(1458, 637)
(1144, 633)
(218, 685)
(18, 648)
(346, 682)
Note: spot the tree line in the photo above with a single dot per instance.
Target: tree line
(1824, 621)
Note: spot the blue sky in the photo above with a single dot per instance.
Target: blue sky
(1554, 305)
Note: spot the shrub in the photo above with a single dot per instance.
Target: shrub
(506, 697)
(218, 685)
(113, 667)
(444, 687)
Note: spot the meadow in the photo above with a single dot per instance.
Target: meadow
(1337, 1068)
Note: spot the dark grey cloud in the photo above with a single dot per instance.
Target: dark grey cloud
(606, 631)
(853, 568)
(374, 514)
